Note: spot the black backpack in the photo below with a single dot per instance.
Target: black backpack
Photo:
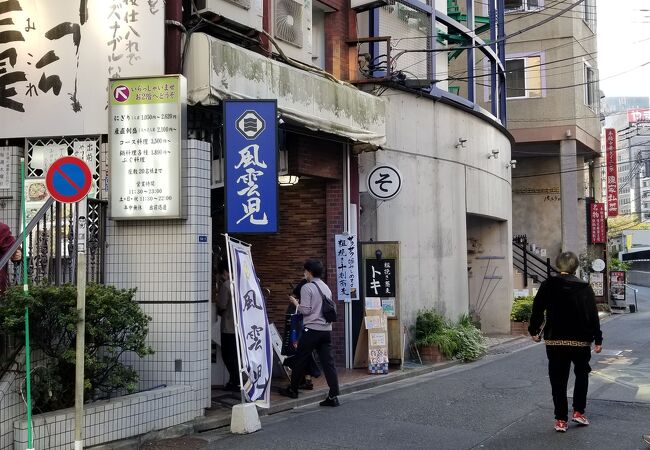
(329, 307)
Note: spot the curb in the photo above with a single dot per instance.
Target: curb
(203, 424)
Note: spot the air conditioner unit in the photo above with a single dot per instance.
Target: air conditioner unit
(292, 28)
(364, 5)
(242, 15)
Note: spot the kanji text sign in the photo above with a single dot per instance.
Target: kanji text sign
(251, 172)
(146, 119)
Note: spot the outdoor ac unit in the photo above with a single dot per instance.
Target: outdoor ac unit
(243, 14)
(364, 5)
(292, 28)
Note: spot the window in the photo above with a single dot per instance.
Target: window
(522, 5)
(590, 87)
(589, 13)
(524, 77)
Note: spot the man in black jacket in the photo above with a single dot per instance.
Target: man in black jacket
(571, 326)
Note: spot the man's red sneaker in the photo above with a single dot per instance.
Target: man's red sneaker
(561, 426)
(580, 418)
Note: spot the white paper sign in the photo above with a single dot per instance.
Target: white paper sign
(347, 267)
(58, 57)
(5, 169)
(373, 303)
(378, 339)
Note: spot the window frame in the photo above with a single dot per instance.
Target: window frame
(542, 82)
(525, 6)
(590, 86)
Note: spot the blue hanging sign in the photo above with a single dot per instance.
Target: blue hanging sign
(251, 172)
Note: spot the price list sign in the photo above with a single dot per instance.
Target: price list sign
(146, 119)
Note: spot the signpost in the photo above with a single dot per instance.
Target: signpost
(69, 180)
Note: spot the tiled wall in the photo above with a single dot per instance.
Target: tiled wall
(10, 200)
(12, 406)
(170, 267)
(107, 421)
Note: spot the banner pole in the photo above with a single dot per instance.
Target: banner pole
(234, 301)
(28, 370)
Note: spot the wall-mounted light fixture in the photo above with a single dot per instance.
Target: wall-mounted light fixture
(288, 180)
(378, 254)
(461, 143)
(494, 154)
(512, 163)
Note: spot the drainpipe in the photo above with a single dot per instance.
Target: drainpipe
(173, 36)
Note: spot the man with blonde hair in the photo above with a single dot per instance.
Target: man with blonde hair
(565, 311)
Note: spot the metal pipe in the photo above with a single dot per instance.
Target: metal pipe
(173, 36)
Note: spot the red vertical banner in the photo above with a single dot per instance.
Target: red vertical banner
(612, 177)
(597, 223)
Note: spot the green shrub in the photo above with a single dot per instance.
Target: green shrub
(522, 308)
(460, 340)
(115, 324)
(427, 324)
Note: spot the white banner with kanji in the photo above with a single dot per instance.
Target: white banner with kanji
(347, 267)
(256, 354)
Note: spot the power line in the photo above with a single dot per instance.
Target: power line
(501, 39)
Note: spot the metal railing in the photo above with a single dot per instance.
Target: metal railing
(51, 242)
(532, 266)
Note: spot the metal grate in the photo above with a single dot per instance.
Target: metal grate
(410, 29)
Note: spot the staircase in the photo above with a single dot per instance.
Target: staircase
(532, 267)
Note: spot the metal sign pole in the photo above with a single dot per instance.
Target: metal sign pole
(81, 324)
(28, 370)
(233, 301)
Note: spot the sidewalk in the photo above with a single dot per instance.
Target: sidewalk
(218, 416)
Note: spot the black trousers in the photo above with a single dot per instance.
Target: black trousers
(560, 358)
(229, 355)
(321, 341)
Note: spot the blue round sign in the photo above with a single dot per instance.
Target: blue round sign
(68, 179)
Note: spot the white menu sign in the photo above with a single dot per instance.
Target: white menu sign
(146, 128)
(5, 169)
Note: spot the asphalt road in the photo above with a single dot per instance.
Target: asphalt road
(501, 402)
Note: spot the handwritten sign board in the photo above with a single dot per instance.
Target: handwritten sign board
(376, 323)
(380, 277)
(147, 124)
(347, 267)
(57, 52)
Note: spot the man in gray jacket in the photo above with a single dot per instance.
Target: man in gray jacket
(316, 334)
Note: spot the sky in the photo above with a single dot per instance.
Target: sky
(623, 44)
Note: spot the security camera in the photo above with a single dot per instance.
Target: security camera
(461, 143)
(512, 163)
(495, 151)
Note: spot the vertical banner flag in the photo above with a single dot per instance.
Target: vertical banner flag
(252, 326)
(597, 222)
(612, 181)
(251, 172)
(347, 267)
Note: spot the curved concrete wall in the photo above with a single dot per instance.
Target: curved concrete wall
(443, 186)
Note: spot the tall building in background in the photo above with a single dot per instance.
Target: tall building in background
(553, 114)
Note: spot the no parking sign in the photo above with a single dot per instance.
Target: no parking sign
(68, 179)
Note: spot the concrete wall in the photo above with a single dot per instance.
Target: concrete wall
(171, 269)
(536, 204)
(442, 184)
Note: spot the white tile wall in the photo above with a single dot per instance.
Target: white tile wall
(110, 420)
(171, 269)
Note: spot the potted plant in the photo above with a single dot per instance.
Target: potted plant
(522, 308)
(429, 324)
